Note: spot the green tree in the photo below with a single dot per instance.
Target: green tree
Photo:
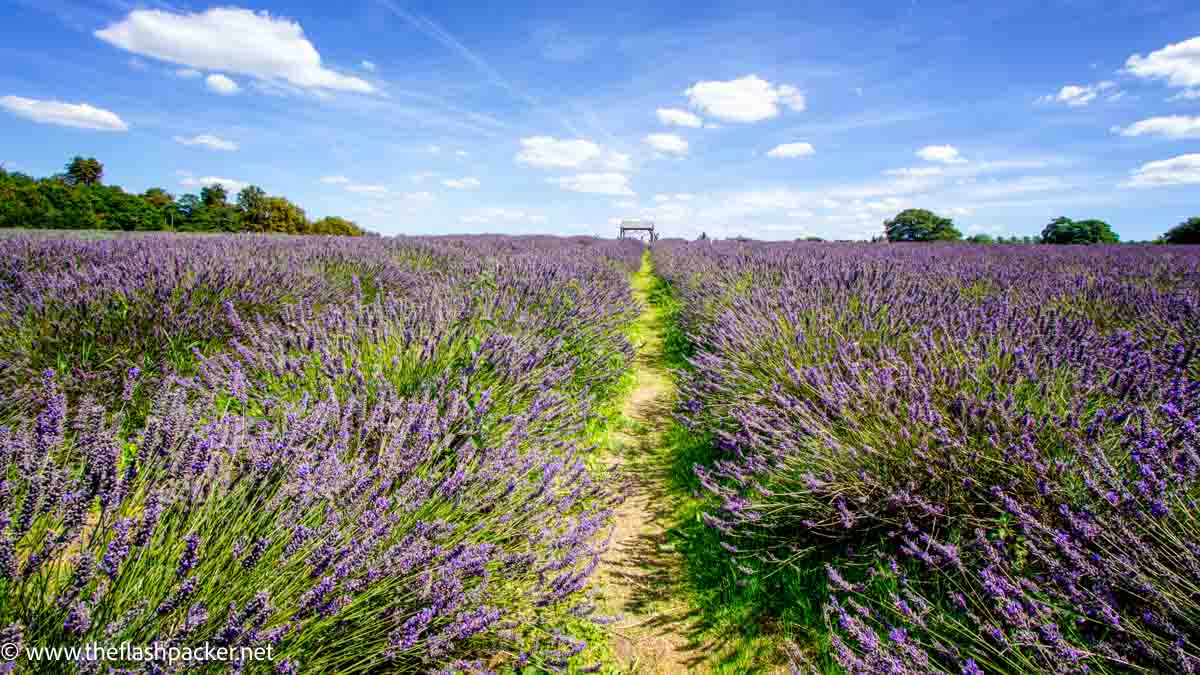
(1187, 232)
(158, 198)
(981, 239)
(920, 225)
(82, 171)
(1063, 230)
(335, 225)
(284, 216)
(252, 202)
(213, 195)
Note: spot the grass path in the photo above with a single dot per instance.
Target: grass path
(665, 623)
(640, 575)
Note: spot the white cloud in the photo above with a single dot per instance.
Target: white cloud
(617, 162)
(669, 143)
(221, 84)
(1171, 126)
(1077, 95)
(461, 183)
(188, 73)
(625, 205)
(420, 197)
(500, 214)
(76, 115)
(829, 204)
(368, 66)
(800, 214)
(1181, 170)
(230, 39)
(679, 117)
(209, 141)
(462, 153)
(1178, 64)
(946, 154)
(993, 189)
(230, 185)
(788, 150)
(366, 189)
(435, 149)
(335, 180)
(916, 172)
(678, 197)
(547, 151)
(746, 99)
(607, 183)
(1186, 95)
(420, 176)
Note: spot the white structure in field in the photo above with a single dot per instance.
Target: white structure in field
(630, 226)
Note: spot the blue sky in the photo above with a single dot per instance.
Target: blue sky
(771, 120)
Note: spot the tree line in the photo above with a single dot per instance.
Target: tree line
(78, 199)
(924, 225)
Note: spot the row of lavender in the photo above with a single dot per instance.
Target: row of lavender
(991, 457)
(368, 454)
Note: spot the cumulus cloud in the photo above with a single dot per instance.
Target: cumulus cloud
(547, 151)
(916, 172)
(617, 162)
(668, 143)
(500, 214)
(461, 183)
(1078, 95)
(606, 183)
(946, 154)
(679, 117)
(208, 141)
(788, 150)
(221, 84)
(1181, 170)
(229, 184)
(1170, 126)
(746, 99)
(1178, 64)
(60, 113)
(232, 40)
(366, 189)
(348, 185)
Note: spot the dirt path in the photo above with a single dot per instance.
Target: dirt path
(639, 576)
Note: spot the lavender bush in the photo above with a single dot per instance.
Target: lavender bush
(394, 480)
(991, 455)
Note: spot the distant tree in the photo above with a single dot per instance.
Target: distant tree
(82, 171)
(1187, 232)
(284, 216)
(1063, 230)
(252, 201)
(813, 239)
(158, 198)
(981, 239)
(335, 225)
(920, 225)
(213, 195)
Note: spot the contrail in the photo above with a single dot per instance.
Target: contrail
(439, 34)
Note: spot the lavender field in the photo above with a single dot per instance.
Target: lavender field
(393, 455)
(946, 458)
(372, 455)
